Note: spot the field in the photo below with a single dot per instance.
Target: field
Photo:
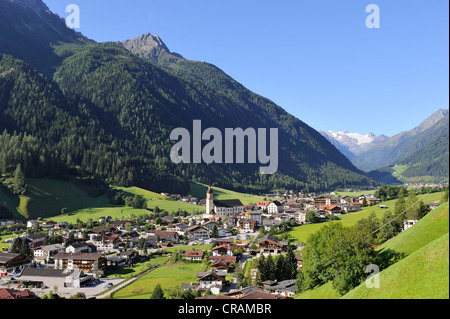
(301, 233)
(167, 276)
(163, 203)
(422, 275)
(127, 273)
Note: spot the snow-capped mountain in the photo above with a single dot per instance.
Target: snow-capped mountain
(351, 144)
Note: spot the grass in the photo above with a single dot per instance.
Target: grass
(431, 227)
(325, 291)
(46, 197)
(412, 244)
(167, 276)
(422, 275)
(127, 273)
(163, 202)
(301, 233)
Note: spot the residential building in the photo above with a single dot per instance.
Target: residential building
(11, 263)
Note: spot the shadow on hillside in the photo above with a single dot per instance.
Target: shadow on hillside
(388, 257)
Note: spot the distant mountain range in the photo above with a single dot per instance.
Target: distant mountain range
(106, 110)
(352, 144)
(418, 155)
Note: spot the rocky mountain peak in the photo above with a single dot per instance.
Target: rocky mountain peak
(148, 46)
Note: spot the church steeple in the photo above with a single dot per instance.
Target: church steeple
(209, 202)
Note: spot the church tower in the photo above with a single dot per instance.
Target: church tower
(209, 203)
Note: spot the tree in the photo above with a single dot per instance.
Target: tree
(214, 232)
(311, 217)
(239, 275)
(19, 180)
(158, 293)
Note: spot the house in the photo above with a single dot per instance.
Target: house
(269, 223)
(166, 236)
(106, 242)
(269, 244)
(262, 205)
(332, 210)
(210, 225)
(81, 247)
(197, 232)
(246, 225)
(409, 223)
(218, 261)
(223, 232)
(87, 262)
(222, 250)
(11, 263)
(274, 207)
(32, 223)
(300, 216)
(121, 224)
(17, 294)
(131, 237)
(254, 215)
(35, 240)
(212, 280)
(285, 288)
(45, 253)
(349, 208)
(179, 228)
(194, 255)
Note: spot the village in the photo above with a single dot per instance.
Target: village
(51, 259)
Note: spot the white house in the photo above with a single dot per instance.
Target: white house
(274, 207)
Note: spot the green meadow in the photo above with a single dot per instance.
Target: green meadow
(423, 271)
(169, 276)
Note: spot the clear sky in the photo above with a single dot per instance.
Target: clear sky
(316, 58)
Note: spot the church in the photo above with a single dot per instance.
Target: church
(221, 208)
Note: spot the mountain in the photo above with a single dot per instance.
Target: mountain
(404, 144)
(31, 32)
(352, 144)
(428, 164)
(100, 111)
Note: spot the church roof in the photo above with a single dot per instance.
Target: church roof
(228, 203)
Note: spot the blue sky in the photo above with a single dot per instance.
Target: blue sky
(316, 58)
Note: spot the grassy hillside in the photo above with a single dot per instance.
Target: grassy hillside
(426, 242)
(431, 227)
(422, 275)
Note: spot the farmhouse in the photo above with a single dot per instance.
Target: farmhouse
(268, 244)
(194, 255)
